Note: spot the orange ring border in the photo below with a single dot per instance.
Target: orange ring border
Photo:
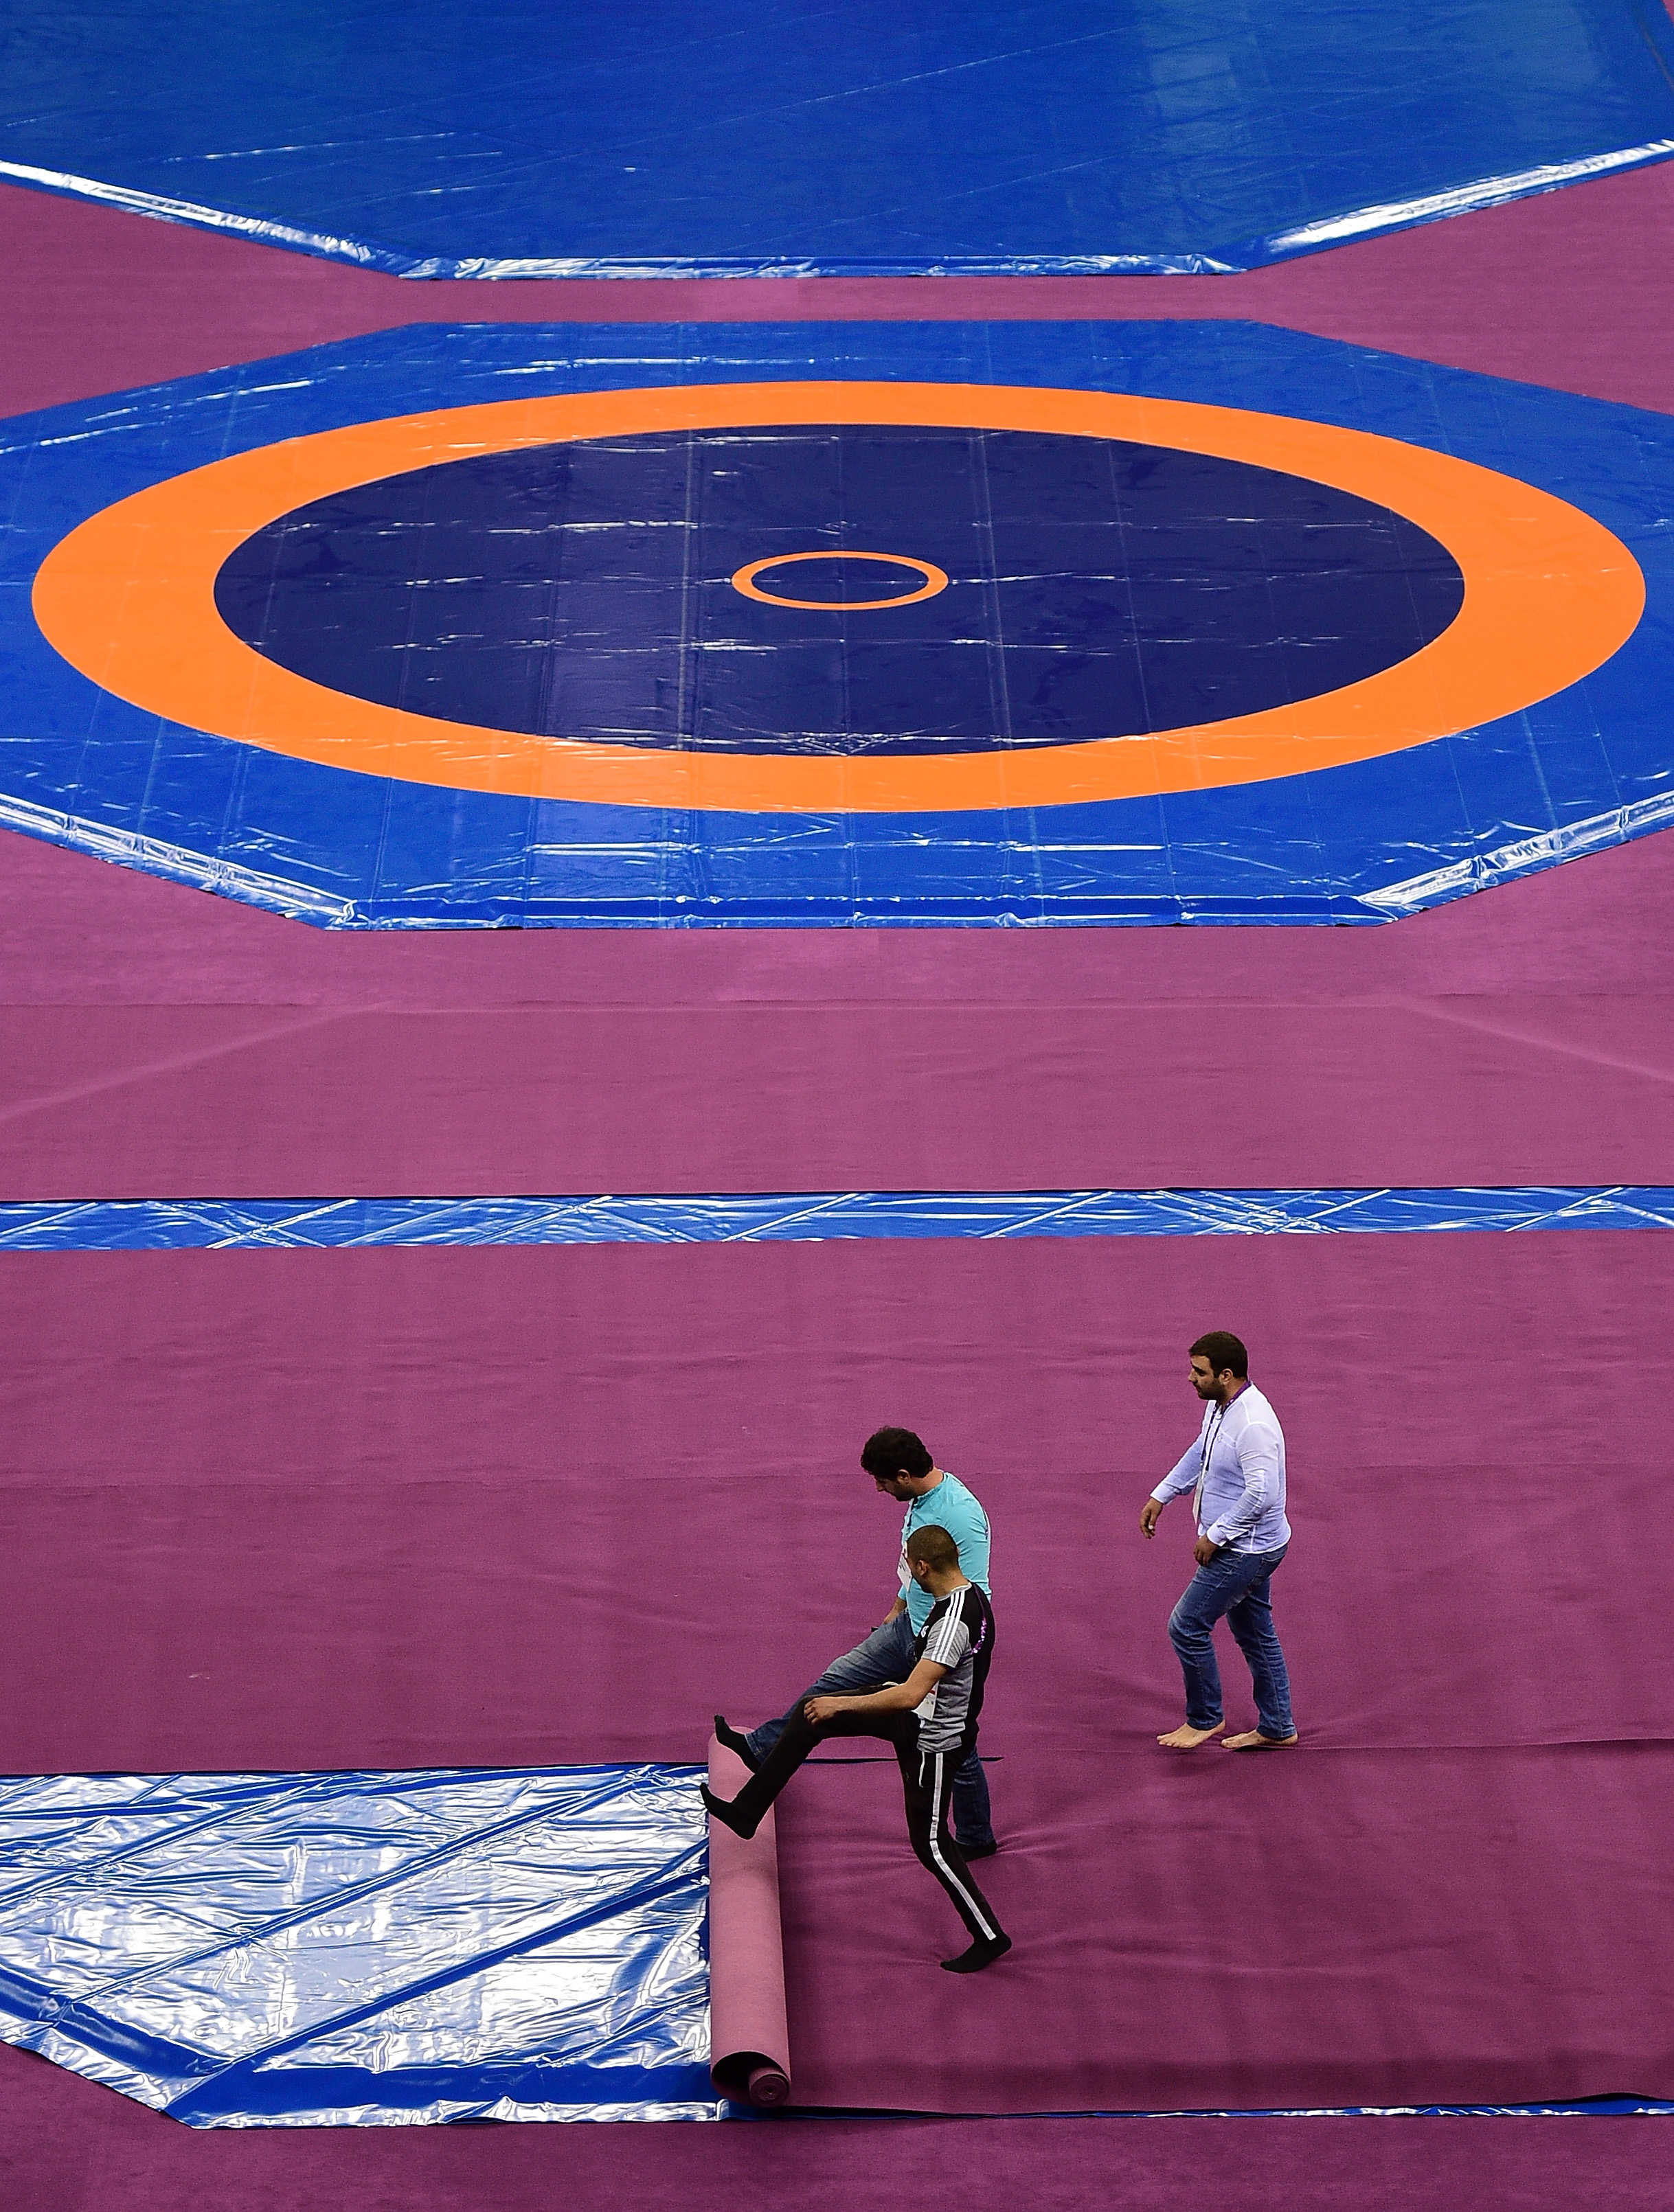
(128, 597)
(935, 579)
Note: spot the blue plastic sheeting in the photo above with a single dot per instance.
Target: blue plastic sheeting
(879, 137)
(808, 1218)
(305, 1950)
(1588, 767)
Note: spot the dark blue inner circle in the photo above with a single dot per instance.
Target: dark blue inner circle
(1097, 588)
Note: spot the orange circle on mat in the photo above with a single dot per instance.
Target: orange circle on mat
(128, 597)
(935, 579)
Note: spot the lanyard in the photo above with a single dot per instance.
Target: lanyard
(1209, 1435)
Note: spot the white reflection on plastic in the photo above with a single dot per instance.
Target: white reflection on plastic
(811, 1217)
(289, 1950)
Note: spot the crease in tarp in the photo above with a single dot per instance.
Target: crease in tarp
(147, 1071)
(1461, 199)
(363, 1948)
(155, 856)
(327, 1223)
(261, 229)
(1187, 136)
(1616, 825)
(1452, 1012)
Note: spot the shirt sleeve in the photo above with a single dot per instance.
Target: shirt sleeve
(1257, 1449)
(949, 1640)
(972, 1536)
(1181, 1476)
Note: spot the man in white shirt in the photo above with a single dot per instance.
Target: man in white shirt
(1236, 1472)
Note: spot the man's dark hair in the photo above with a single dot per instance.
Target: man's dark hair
(1222, 1349)
(889, 1452)
(934, 1547)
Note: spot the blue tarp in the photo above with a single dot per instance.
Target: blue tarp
(884, 136)
(808, 1218)
(1586, 767)
(269, 1950)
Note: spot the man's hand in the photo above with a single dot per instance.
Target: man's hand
(1202, 1551)
(822, 1709)
(895, 1612)
(1147, 1516)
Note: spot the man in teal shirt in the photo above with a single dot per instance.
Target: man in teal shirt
(902, 1469)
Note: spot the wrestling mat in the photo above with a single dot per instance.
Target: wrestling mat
(923, 624)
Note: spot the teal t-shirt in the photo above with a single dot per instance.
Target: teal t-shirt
(951, 1506)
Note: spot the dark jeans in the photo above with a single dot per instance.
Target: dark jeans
(1237, 1584)
(924, 1785)
(886, 1656)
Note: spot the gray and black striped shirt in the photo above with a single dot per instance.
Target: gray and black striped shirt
(960, 1636)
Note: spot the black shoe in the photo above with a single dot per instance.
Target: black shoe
(979, 1955)
(968, 1851)
(724, 1810)
(736, 1743)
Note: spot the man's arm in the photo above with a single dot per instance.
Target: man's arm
(895, 1610)
(899, 1697)
(1257, 1453)
(1181, 1476)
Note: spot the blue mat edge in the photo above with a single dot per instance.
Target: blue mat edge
(1251, 254)
(336, 1223)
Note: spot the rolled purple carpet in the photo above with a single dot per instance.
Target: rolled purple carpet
(749, 2040)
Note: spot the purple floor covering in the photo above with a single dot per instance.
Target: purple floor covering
(366, 1509)
(69, 2147)
(283, 1509)
(159, 1044)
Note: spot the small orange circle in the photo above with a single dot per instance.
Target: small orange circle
(935, 579)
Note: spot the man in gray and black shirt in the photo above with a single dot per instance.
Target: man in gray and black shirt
(930, 1718)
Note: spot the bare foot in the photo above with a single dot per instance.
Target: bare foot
(1254, 1740)
(1188, 1738)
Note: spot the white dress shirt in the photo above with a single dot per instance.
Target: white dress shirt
(1236, 1468)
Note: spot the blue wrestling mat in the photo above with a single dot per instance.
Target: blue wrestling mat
(887, 624)
(141, 1224)
(649, 139)
(311, 1950)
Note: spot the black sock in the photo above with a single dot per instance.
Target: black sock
(982, 1953)
(734, 1741)
(724, 1809)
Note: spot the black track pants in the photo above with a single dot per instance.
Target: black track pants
(926, 1784)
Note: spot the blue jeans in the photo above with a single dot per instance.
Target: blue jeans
(1237, 1584)
(887, 1656)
